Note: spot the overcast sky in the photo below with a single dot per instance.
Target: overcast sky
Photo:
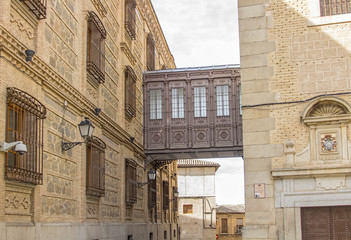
(200, 32)
(203, 33)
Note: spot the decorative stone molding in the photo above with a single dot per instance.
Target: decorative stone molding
(99, 7)
(328, 120)
(289, 150)
(329, 183)
(19, 200)
(128, 53)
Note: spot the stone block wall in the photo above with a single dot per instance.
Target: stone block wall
(57, 77)
(288, 54)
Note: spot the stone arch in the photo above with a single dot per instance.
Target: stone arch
(327, 109)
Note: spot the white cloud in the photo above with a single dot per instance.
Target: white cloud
(200, 32)
(229, 181)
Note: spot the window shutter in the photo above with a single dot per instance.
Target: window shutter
(165, 195)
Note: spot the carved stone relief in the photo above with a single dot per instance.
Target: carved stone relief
(327, 119)
(18, 200)
(92, 210)
(331, 183)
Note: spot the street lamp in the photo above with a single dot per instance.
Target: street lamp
(86, 130)
(151, 174)
(175, 195)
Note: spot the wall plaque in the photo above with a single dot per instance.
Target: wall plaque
(260, 190)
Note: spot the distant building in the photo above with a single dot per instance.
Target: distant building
(230, 221)
(197, 199)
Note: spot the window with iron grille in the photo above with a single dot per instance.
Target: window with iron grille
(150, 53)
(200, 102)
(152, 193)
(96, 47)
(222, 100)
(25, 122)
(130, 6)
(177, 103)
(37, 7)
(175, 201)
(155, 104)
(224, 225)
(96, 167)
(239, 225)
(165, 195)
(130, 179)
(130, 93)
(335, 7)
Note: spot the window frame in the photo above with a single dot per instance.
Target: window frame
(95, 59)
(30, 115)
(152, 193)
(95, 146)
(316, 19)
(165, 194)
(200, 102)
(324, 9)
(189, 208)
(222, 101)
(130, 18)
(178, 104)
(226, 225)
(130, 181)
(155, 104)
(37, 7)
(130, 92)
(150, 53)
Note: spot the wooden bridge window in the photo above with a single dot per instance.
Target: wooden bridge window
(130, 180)
(96, 48)
(222, 100)
(335, 7)
(25, 122)
(37, 7)
(150, 53)
(177, 103)
(200, 109)
(155, 104)
(130, 6)
(96, 167)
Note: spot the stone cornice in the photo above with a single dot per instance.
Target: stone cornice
(13, 52)
(148, 13)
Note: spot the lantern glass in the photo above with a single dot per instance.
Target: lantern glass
(176, 193)
(151, 174)
(86, 128)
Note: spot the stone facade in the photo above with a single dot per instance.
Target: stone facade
(294, 74)
(58, 78)
(197, 199)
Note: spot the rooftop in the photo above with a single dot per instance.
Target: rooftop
(204, 68)
(240, 208)
(184, 163)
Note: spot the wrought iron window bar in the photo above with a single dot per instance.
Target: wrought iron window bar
(37, 7)
(335, 7)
